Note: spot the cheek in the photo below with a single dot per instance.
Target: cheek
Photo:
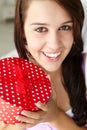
(34, 44)
(69, 41)
(68, 45)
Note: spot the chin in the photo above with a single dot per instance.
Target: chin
(51, 70)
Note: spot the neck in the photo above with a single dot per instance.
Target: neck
(55, 75)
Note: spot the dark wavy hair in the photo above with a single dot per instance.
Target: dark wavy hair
(73, 75)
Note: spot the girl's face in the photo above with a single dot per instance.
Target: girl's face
(49, 33)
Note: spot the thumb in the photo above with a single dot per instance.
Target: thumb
(3, 125)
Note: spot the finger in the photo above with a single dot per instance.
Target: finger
(3, 124)
(25, 125)
(42, 106)
(29, 114)
(27, 120)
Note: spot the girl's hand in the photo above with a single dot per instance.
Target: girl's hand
(4, 126)
(48, 113)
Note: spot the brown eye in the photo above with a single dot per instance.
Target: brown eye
(65, 28)
(41, 29)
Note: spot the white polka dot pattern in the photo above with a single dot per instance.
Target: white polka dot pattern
(22, 84)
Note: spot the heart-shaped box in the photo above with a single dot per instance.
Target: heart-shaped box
(22, 84)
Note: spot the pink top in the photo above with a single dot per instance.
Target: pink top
(46, 125)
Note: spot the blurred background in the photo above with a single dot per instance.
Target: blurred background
(7, 9)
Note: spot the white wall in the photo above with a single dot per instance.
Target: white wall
(7, 8)
(84, 33)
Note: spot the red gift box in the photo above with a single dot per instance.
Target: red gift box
(22, 84)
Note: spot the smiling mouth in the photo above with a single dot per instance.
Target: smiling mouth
(52, 55)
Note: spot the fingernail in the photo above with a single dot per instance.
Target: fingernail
(17, 124)
(24, 113)
(3, 124)
(17, 118)
(38, 103)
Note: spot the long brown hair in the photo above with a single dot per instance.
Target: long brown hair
(72, 71)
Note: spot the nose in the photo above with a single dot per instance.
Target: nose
(53, 40)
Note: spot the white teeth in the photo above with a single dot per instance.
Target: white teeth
(52, 55)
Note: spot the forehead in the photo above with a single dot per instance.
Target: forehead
(45, 11)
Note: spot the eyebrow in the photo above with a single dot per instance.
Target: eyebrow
(71, 21)
(37, 23)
